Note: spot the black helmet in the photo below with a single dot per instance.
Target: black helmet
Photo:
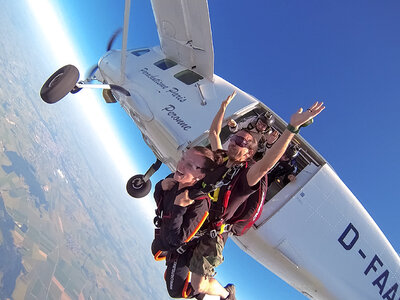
(267, 118)
(292, 151)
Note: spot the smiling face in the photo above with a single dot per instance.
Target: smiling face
(190, 168)
(239, 146)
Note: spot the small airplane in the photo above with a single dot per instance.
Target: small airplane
(313, 233)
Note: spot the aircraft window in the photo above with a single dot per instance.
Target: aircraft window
(165, 64)
(188, 77)
(140, 52)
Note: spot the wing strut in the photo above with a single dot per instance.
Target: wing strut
(125, 39)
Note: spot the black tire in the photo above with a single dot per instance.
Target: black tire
(59, 84)
(137, 187)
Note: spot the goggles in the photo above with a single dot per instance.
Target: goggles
(239, 141)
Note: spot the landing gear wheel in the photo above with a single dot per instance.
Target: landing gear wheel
(137, 187)
(59, 84)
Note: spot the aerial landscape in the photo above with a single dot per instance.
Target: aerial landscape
(65, 230)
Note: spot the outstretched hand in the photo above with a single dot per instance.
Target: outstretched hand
(301, 117)
(228, 99)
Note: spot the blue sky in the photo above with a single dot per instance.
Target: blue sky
(288, 54)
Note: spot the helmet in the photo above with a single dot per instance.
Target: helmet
(292, 151)
(267, 118)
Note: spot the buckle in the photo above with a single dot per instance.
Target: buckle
(213, 233)
(228, 227)
(180, 250)
(157, 221)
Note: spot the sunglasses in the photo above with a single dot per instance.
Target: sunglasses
(239, 141)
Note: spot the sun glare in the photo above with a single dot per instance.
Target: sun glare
(58, 39)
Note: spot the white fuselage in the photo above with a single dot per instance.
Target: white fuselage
(170, 113)
(313, 233)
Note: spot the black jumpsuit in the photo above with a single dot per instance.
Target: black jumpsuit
(178, 225)
(283, 168)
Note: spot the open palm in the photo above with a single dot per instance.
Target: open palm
(301, 117)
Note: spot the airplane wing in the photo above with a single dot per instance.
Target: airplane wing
(185, 33)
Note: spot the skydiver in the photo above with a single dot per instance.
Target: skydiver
(248, 176)
(257, 125)
(286, 167)
(178, 217)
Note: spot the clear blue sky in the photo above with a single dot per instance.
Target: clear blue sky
(291, 53)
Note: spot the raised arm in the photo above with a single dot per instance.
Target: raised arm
(216, 124)
(260, 168)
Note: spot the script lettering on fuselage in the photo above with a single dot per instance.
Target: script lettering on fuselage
(170, 110)
(387, 290)
(173, 91)
(154, 78)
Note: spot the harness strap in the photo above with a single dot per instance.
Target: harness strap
(203, 219)
(187, 289)
(160, 255)
(229, 178)
(185, 246)
(220, 208)
(224, 228)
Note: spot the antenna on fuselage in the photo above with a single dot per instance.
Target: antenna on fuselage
(125, 39)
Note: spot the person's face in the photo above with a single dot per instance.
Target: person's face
(261, 126)
(272, 137)
(190, 167)
(238, 146)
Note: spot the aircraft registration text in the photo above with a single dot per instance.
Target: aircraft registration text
(387, 290)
